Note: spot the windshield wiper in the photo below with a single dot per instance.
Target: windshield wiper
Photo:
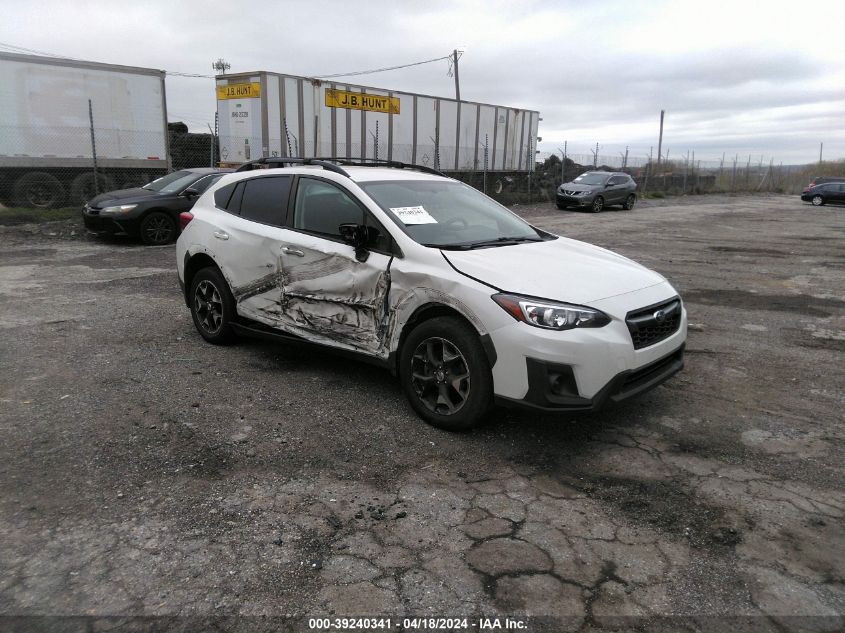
(503, 241)
(499, 241)
(449, 247)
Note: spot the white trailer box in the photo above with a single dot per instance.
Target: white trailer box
(45, 124)
(268, 114)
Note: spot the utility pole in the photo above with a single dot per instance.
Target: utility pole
(221, 66)
(660, 139)
(821, 147)
(457, 81)
(596, 156)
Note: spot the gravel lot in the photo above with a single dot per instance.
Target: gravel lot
(146, 473)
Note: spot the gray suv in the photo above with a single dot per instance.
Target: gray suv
(597, 189)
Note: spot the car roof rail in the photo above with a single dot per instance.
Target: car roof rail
(283, 160)
(350, 161)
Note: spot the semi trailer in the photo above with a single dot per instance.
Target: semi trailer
(266, 114)
(71, 129)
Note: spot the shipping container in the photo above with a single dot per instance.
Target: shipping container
(49, 135)
(269, 114)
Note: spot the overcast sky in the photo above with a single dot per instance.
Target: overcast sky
(736, 77)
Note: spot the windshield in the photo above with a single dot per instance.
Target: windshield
(171, 183)
(591, 179)
(449, 214)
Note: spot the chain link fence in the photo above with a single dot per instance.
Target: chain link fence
(669, 178)
(56, 168)
(67, 167)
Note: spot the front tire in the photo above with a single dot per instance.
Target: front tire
(212, 306)
(445, 374)
(630, 201)
(598, 204)
(157, 229)
(817, 201)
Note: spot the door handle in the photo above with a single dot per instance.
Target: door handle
(221, 235)
(288, 250)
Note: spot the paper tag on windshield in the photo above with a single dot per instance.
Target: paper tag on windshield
(413, 215)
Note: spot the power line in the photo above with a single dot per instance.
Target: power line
(20, 49)
(381, 70)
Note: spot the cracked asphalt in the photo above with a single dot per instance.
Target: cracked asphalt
(144, 473)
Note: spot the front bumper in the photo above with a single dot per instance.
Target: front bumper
(601, 363)
(574, 201)
(543, 396)
(108, 225)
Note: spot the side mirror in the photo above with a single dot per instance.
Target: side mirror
(190, 192)
(360, 237)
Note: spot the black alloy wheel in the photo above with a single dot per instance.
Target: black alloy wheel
(212, 306)
(445, 373)
(440, 376)
(157, 229)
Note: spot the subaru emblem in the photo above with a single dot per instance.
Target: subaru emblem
(659, 316)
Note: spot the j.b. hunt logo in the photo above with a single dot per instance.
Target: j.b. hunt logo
(361, 101)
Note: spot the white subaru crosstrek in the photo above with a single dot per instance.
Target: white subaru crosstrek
(402, 266)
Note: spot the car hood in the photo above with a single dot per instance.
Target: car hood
(560, 269)
(572, 186)
(124, 196)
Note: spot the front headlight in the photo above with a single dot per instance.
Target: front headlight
(123, 208)
(550, 315)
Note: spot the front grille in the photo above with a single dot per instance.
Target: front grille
(569, 192)
(654, 323)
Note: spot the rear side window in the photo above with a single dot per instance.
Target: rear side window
(223, 195)
(265, 199)
(617, 180)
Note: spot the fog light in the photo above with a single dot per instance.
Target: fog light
(562, 383)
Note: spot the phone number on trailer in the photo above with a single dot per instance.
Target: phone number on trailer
(352, 624)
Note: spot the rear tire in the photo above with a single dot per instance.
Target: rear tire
(212, 306)
(157, 229)
(817, 201)
(598, 205)
(38, 190)
(630, 201)
(445, 374)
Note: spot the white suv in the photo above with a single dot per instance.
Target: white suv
(402, 266)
